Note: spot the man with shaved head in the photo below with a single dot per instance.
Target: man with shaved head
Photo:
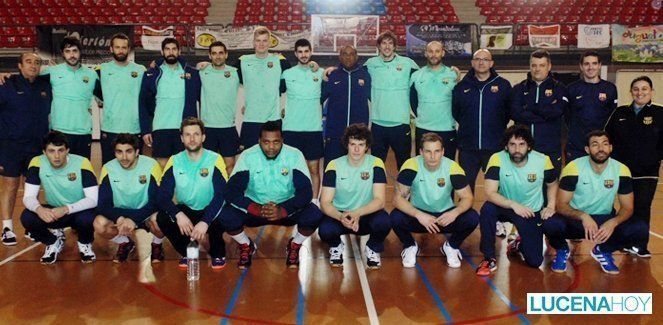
(25, 103)
(430, 99)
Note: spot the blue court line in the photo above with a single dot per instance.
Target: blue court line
(300, 305)
(238, 286)
(436, 297)
(498, 292)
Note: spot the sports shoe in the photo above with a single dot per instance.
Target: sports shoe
(8, 237)
(123, 251)
(487, 267)
(559, 263)
(513, 248)
(59, 233)
(336, 255)
(28, 235)
(372, 259)
(183, 263)
(606, 261)
(500, 230)
(86, 252)
(218, 263)
(52, 251)
(513, 235)
(453, 255)
(157, 253)
(292, 254)
(246, 252)
(409, 255)
(640, 252)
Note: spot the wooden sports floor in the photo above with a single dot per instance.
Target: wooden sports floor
(70, 292)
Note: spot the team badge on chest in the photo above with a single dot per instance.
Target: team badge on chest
(531, 178)
(441, 182)
(315, 79)
(270, 64)
(142, 179)
(284, 171)
(226, 74)
(86, 79)
(549, 92)
(399, 67)
(603, 97)
(361, 82)
(364, 175)
(134, 74)
(445, 81)
(204, 172)
(608, 183)
(648, 120)
(71, 176)
(494, 89)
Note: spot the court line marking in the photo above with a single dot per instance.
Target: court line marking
(655, 234)
(10, 258)
(436, 297)
(238, 286)
(300, 305)
(363, 280)
(498, 292)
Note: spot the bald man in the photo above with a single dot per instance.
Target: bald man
(25, 103)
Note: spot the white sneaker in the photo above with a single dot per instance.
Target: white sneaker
(453, 255)
(86, 252)
(500, 229)
(372, 259)
(8, 237)
(336, 255)
(409, 255)
(52, 251)
(58, 233)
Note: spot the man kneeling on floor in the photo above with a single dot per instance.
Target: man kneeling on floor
(70, 190)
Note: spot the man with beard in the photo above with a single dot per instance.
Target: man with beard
(169, 94)
(25, 102)
(302, 122)
(539, 103)
(73, 87)
(120, 87)
(591, 102)
(430, 99)
(270, 185)
(347, 93)
(218, 101)
(197, 178)
(514, 193)
(127, 196)
(585, 201)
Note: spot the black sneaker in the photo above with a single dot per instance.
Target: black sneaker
(28, 235)
(292, 252)
(8, 237)
(246, 252)
(157, 253)
(640, 252)
(123, 251)
(52, 251)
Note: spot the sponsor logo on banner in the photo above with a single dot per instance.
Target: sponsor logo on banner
(151, 38)
(95, 41)
(241, 38)
(496, 37)
(637, 44)
(544, 36)
(457, 39)
(590, 303)
(593, 36)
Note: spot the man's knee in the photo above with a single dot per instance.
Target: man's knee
(101, 225)
(534, 260)
(230, 219)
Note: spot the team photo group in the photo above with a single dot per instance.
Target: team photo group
(289, 166)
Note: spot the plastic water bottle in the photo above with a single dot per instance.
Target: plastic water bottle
(192, 254)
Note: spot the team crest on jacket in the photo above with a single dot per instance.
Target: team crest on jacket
(647, 120)
(361, 82)
(441, 182)
(226, 74)
(71, 176)
(86, 79)
(548, 92)
(204, 172)
(399, 67)
(608, 183)
(134, 74)
(494, 89)
(270, 64)
(364, 175)
(44, 94)
(284, 171)
(603, 97)
(185, 76)
(142, 179)
(531, 178)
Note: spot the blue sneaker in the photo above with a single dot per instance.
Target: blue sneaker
(559, 264)
(606, 261)
(218, 263)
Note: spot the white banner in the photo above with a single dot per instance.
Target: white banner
(496, 37)
(151, 38)
(242, 38)
(593, 36)
(329, 33)
(546, 37)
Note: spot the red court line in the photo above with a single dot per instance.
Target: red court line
(152, 289)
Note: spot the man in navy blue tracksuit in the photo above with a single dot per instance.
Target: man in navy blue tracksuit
(591, 102)
(347, 93)
(25, 103)
(539, 102)
(480, 105)
(169, 94)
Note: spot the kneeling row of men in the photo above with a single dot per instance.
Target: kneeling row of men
(270, 185)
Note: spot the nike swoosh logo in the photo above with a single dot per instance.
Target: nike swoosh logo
(466, 91)
(507, 175)
(115, 181)
(337, 82)
(180, 173)
(578, 97)
(585, 183)
(539, 224)
(150, 74)
(526, 93)
(110, 74)
(20, 93)
(622, 119)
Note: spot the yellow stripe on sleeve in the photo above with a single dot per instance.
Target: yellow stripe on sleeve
(624, 171)
(494, 161)
(570, 170)
(35, 162)
(104, 173)
(221, 166)
(331, 166)
(378, 163)
(549, 164)
(456, 169)
(410, 164)
(169, 165)
(86, 165)
(156, 172)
